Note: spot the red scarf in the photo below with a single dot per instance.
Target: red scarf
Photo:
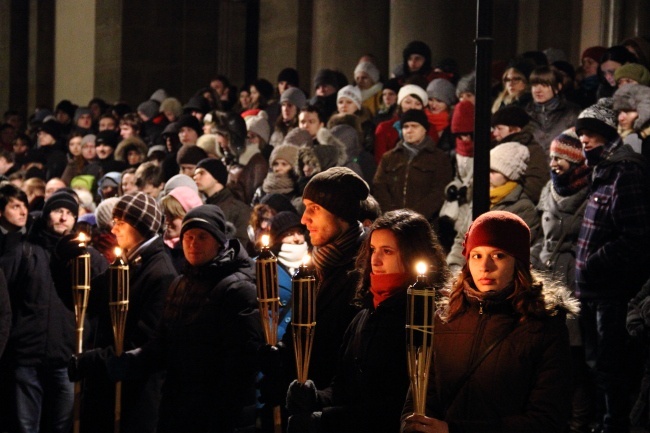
(440, 120)
(383, 286)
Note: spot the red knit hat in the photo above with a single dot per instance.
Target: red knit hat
(499, 229)
(462, 120)
(594, 53)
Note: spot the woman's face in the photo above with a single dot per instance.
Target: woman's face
(74, 146)
(281, 166)
(307, 169)
(346, 106)
(172, 226)
(497, 179)
(626, 119)
(133, 157)
(492, 269)
(363, 80)
(608, 68)
(589, 67)
(245, 99)
(410, 103)
(128, 183)
(437, 106)
(389, 97)
(542, 93)
(385, 256)
(514, 82)
(289, 111)
(294, 236)
(415, 62)
(559, 165)
(255, 97)
(199, 246)
(88, 151)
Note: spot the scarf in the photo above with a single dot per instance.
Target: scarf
(369, 93)
(572, 181)
(500, 192)
(337, 251)
(249, 152)
(278, 184)
(171, 243)
(601, 153)
(490, 298)
(290, 255)
(439, 120)
(383, 286)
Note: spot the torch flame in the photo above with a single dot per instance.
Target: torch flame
(265, 240)
(81, 237)
(117, 251)
(421, 268)
(306, 260)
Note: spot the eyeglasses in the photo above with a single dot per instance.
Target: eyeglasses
(117, 223)
(513, 80)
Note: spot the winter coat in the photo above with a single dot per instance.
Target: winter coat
(236, 212)
(388, 133)
(367, 393)
(150, 274)
(251, 177)
(537, 172)
(612, 255)
(561, 220)
(416, 184)
(551, 119)
(524, 383)
(207, 343)
(55, 158)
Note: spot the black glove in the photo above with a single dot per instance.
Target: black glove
(118, 366)
(304, 423)
(82, 365)
(270, 359)
(68, 247)
(302, 397)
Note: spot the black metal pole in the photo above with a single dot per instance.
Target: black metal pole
(481, 194)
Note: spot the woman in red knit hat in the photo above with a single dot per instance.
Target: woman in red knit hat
(501, 356)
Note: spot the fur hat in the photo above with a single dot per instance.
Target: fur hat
(634, 97)
(633, 71)
(600, 119)
(339, 190)
(319, 157)
(412, 89)
(467, 84)
(417, 116)
(259, 124)
(298, 137)
(369, 69)
(352, 93)
(294, 96)
(104, 212)
(216, 169)
(499, 229)
(288, 152)
(511, 115)
(140, 211)
(173, 105)
(208, 217)
(510, 159)
(190, 155)
(442, 90)
(567, 146)
(128, 144)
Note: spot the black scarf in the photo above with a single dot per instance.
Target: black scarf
(571, 181)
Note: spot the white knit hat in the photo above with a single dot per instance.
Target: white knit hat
(352, 93)
(412, 89)
(369, 69)
(510, 159)
(260, 125)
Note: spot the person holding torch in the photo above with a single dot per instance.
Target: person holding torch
(366, 394)
(501, 357)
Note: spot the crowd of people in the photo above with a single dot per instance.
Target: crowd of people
(543, 317)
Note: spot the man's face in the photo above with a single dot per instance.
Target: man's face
(415, 62)
(151, 190)
(413, 132)
(52, 186)
(45, 139)
(323, 225)
(591, 140)
(309, 122)
(126, 131)
(14, 214)
(106, 124)
(127, 236)
(61, 221)
(325, 90)
(199, 246)
(85, 121)
(204, 180)
(88, 150)
(500, 132)
(187, 169)
(103, 151)
(187, 135)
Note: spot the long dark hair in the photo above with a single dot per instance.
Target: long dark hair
(416, 241)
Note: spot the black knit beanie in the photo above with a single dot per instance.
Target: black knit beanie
(511, 115)
(208, 217)
(339, 190)
(417, 116)
(281, 223)
(216, 169)
(61, 199)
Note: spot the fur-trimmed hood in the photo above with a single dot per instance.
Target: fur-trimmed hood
(634, 97)
(128, 144)
(322, 156)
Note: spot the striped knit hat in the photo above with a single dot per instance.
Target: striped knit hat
(140, 211)
(567, 146)
(599, 118)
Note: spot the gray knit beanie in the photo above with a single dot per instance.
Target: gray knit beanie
(510, 159)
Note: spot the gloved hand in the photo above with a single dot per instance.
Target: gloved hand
(304, 423)
(68, 247)
(302, 397)
(118, 366)
(270, 359)
(82, 365)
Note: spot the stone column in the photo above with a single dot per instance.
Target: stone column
(108, 50)
(346, 30)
